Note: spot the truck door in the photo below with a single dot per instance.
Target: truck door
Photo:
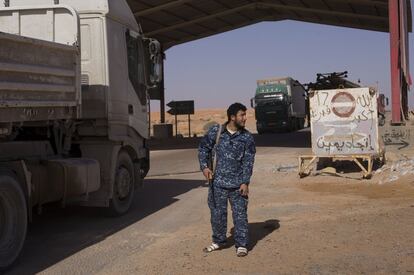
(138, 118)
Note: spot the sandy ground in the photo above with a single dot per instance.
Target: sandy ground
(320, 224)
(316, 225)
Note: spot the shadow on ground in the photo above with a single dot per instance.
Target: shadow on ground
(60, 233)
(300, 139)
(257, 232)
(344, 168)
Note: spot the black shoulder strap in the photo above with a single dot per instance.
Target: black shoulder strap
(215, 145)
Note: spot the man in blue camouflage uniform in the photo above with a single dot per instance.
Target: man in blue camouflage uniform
(234, 154)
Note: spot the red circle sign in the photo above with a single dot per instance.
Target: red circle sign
(343, 104)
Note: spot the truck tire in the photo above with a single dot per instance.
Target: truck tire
(13, 219)
(124, 185)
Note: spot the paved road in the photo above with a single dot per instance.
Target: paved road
(179, 156)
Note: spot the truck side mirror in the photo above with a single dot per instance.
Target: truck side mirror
(154, 47)
(252, 102)
(156, 59)
(157, 67)
(387, 101)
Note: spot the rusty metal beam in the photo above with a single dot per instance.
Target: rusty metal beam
(395, 68)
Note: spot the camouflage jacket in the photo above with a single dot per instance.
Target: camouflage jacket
(235, 156)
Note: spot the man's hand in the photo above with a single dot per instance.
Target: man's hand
(208, 174)
(244, 190)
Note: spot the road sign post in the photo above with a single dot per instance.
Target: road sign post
(189, 126)
(176, 125)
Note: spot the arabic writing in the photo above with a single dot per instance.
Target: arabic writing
(318, 114)
(339, 143)
(322, 107)
(395, 136)
(365, 101)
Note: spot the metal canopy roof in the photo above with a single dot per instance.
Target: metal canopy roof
(174, 22)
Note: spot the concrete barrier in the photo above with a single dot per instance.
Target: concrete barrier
(162, 131)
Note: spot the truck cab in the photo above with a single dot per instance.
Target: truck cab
(279, 105)
(74, 104)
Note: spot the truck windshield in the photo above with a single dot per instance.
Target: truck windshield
(273, 101)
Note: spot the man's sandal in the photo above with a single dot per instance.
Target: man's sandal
(241, 251)
(212, 247)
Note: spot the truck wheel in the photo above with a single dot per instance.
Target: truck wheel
(124, 185)
(13, 219)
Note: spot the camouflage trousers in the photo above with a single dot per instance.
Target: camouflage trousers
(217, 202)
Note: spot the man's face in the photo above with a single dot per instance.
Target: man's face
(240, 119)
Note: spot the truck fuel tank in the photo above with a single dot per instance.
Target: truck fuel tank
(64, 179)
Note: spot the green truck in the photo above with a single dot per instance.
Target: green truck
(279, 105)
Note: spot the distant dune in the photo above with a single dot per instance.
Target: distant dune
(202, 120)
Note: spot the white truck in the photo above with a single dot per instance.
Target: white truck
(74, 82)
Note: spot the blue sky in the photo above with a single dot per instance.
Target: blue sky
(219, 70)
